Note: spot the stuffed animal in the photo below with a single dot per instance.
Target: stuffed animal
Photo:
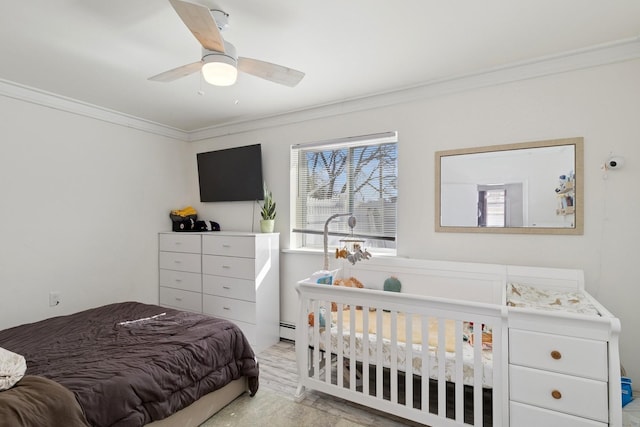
(311, 318)
(392, 284)
(351, 282)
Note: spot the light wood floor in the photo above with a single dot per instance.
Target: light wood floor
(278, 372)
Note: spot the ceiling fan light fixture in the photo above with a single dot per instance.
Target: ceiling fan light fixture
(219, 69)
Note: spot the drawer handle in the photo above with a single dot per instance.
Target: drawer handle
(226, 308)
(178, 243)
(556, 394)
(177, 261)
(226, 266)
(178, 280)
(556, 355)
(226, 287)
(178, 299)
(226, 246)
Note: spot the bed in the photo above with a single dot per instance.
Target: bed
(462, 344)
(129, 364)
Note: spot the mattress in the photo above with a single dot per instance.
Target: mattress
(130, 363)
(402, 348)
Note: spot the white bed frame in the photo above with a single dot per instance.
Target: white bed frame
(523, 340)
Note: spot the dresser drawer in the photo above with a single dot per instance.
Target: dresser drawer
(564, 393)
(180, 261)
(240, 268)
(240, 246)
(531, 416)
(229, 287)
(567, 355)
(248, 329)
(182, 300)
(229, 308)
(181, 280)
(180, 243)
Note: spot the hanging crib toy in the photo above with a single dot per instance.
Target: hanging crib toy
(352, 248)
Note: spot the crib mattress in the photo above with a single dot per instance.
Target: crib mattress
(402, 350)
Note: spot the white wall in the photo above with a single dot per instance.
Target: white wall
(81, 202)
(600, 104)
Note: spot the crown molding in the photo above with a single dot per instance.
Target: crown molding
(74, 106)
(603, 54)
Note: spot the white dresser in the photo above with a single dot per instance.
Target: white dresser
(557, 380)
(233, 275)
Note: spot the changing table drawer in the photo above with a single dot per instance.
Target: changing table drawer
(530, 416)
(567, 355)
(572, 395)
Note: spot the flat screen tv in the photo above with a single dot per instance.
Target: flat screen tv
(230, 175)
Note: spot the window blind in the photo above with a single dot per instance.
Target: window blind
(357, 175)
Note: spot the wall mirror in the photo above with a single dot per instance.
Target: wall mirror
(530, 188)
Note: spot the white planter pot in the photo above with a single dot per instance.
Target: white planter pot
(266, 225)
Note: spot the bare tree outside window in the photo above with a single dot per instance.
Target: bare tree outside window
(352, 178)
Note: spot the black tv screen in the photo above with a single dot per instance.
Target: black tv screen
(234, 174)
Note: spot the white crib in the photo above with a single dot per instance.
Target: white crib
(453, 352)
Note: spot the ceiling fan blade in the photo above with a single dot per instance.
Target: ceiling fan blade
(176, 73)
(272, 72)
(199, 20)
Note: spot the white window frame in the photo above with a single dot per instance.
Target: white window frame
(308, 235)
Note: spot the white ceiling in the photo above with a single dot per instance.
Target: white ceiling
(102, 52)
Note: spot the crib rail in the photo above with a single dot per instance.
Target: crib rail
(415, 357)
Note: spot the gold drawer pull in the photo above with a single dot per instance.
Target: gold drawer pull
(556, 394)
(555, 354)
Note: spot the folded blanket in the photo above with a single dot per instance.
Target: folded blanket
(12, 368)
(39, 402)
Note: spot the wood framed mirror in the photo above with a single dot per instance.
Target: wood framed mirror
(528, 188)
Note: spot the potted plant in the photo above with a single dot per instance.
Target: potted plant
(268, 212)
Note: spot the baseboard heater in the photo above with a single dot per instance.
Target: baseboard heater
(287, 331)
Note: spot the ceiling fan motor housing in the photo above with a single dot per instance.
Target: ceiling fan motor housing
(229, 55)
(221, 18)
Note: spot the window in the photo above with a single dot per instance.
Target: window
(357, 175)
(501, 205)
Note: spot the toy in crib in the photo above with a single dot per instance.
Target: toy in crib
(351, 282)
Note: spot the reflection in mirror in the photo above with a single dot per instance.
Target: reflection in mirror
(533, 187)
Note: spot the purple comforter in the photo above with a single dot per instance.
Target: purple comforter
(130, 363)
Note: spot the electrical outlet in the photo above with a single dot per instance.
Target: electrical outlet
(54, 299)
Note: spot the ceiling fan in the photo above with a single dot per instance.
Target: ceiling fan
(219, 63)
